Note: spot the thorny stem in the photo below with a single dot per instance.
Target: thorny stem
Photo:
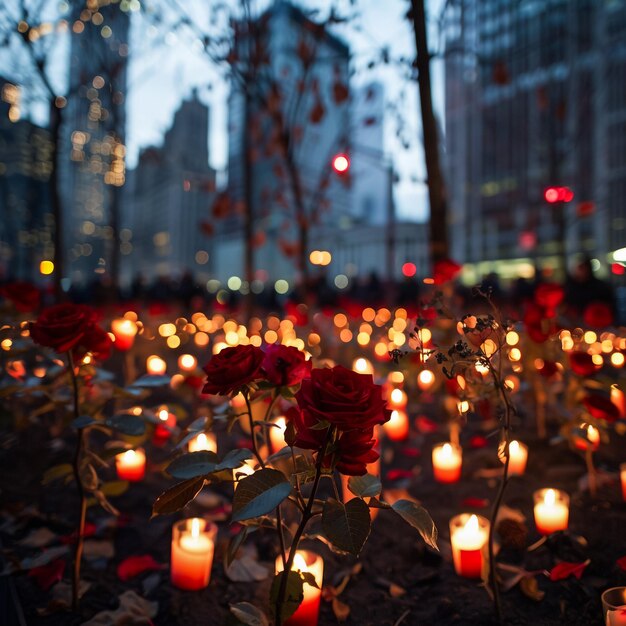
(80, 444)
(306, 516)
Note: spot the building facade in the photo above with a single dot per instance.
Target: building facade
(535, 98)
(168, 200)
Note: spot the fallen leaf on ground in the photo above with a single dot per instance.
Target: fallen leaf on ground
(132, 611)
(564, 570)
(98, 549)
(246, 570)
(38, 538)
(530, 588)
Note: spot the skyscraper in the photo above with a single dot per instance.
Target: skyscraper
(94, 137)
(535, 98)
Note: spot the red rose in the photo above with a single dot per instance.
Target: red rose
(344, 398)
(306, 436)
(285, 366)
(601, 408)
(232, 368)
(24, 295)
(549, 295)
(63, 326)
(355, 449)
(95, 340)
(582, 363)
(598, 315)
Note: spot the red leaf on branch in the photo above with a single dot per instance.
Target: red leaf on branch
(135, 565)
(564, 570)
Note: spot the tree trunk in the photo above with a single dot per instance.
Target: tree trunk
(56, 119)
(439, 248)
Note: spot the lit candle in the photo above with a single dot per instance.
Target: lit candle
(155, 365)
(204, 441)
(551, 510)
(308, 611)
(124, 331)
(167, 421)
(622, 473)
(277, 434)
(469, 535)
(518, 455)
(591, 439)
(242, 471)
(193, 544)
(131, 465)
(447, 460)
(425, 380)
(397, 428)
(614, 606)
(397, 399)
(362, 366)
(618, 399)
(187, 362)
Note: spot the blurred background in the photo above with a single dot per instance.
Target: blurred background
(264, 147)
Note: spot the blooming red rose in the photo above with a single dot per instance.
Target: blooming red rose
(62, 327)
(24, 295)
(307, 437)
(96, 341)
(344, 398)
(598, 315)
(285, 366)
(582, 363)
(233, 368)
(355, 449)
(549, 295)
(601, 408)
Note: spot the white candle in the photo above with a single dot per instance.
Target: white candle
(308, 612)
(193, 544)
(131, 465)
(518, 455)
(204, 441)
(469, 534)
(447, 461)
(551, 510)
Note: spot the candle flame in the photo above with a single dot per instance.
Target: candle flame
(299, 563)
(163, 415)
(549, 497)
(513, 447)
(195, 527)
(471, 526)
(201, 440)
(360, 365)
(592, 433)
(446, 451)
(396, 396)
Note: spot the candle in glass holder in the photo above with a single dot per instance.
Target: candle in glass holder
(614, 606)
(447, 461)
(308, 612)
(187, 362)
(469, 535)
(397, 428)
(131, 465)
(167, 421)
(397, 399)
(622, 474)
(203, 441)
(193, 544)
(277, 434)
(518, 455)
(155, 365)
(124, 331)
(551, 510)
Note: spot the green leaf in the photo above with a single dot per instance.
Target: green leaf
(233, 459)
(248, 614)
(309, 579)
(259, 493)
(114, 487)
(56, 472)
(346, 526)
(177, 497)
(128, 424)
(234, 544)
(320, 425)
(366, 486)
(294, 593)
(193, 464)
(83, 421)
(375, 503)
(419, 518)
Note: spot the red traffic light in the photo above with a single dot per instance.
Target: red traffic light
(558, 194)
(341, 163)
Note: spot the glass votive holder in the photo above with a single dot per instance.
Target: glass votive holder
(614, 606)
